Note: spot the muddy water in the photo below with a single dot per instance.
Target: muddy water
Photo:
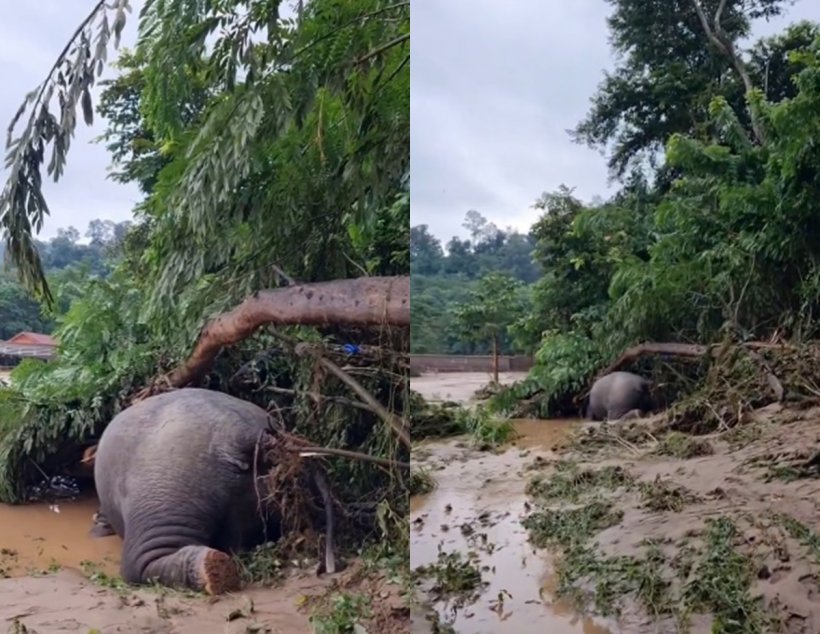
(38, 537)
(458, 386)
(471, 486)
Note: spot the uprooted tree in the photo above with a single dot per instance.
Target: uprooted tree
(270, 147)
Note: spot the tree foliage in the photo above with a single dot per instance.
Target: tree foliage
(269, 147)
(668, 72)
(497, 302)
(721, 244)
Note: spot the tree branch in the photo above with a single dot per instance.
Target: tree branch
(321, 397)
(717, 36)
(355, 455)
(376, 52)
(360, 302)
(381, 411)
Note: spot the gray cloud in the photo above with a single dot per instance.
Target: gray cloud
(494, 87)
(32, 34)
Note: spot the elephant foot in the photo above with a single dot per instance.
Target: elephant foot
(218, 573)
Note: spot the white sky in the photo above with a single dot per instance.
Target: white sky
(494, 87)
(32, 34)
(493, 91)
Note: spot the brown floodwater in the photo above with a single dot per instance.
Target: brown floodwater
(37, 537)
(486, 492)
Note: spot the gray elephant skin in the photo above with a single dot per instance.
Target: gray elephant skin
(175, 478)
(619, 395)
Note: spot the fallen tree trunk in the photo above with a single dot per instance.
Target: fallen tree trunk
(691, 350)
(365, 301)
(665, 349)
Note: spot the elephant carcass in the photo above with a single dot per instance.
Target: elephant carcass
(619, 395)
(177, 478)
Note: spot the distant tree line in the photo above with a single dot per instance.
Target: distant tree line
(67, 261)
(445, 278)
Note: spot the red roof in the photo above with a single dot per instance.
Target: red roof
(32, 339)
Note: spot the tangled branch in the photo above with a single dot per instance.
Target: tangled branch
(23, 206)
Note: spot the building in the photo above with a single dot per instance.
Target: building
(27, 345)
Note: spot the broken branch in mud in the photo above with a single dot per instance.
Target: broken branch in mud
(773, 382)
(367, 301)
(393, 421)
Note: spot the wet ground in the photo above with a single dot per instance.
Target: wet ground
(42, 537)
(477, 507)
(47, 558)
(55, 577)
(761, 477)
(483, 495)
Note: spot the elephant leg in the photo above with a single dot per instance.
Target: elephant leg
(632, 414)
(193, 567)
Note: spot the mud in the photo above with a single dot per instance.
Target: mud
(41, 537)
(485, 492)
(75, 604)
(55, 577)
(762, 477)
(482, 494)
(745, 479)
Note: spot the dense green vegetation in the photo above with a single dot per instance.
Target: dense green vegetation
(445, 282)
(713, 235)
(66, 261)
(280, 150)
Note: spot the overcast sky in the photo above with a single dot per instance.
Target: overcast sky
(493, 91)
(32, 34)
(494, 87)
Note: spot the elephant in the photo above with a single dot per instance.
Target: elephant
(619, 395)
(175, 478)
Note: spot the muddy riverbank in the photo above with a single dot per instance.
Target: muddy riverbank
(47, 551)
(477, 507)
(55, 577)
(42, 537)
(654, 532)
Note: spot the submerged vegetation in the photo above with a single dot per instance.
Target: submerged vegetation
(272, 149)
(441, 420)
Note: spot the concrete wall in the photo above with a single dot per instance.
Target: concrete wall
(465, 363)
